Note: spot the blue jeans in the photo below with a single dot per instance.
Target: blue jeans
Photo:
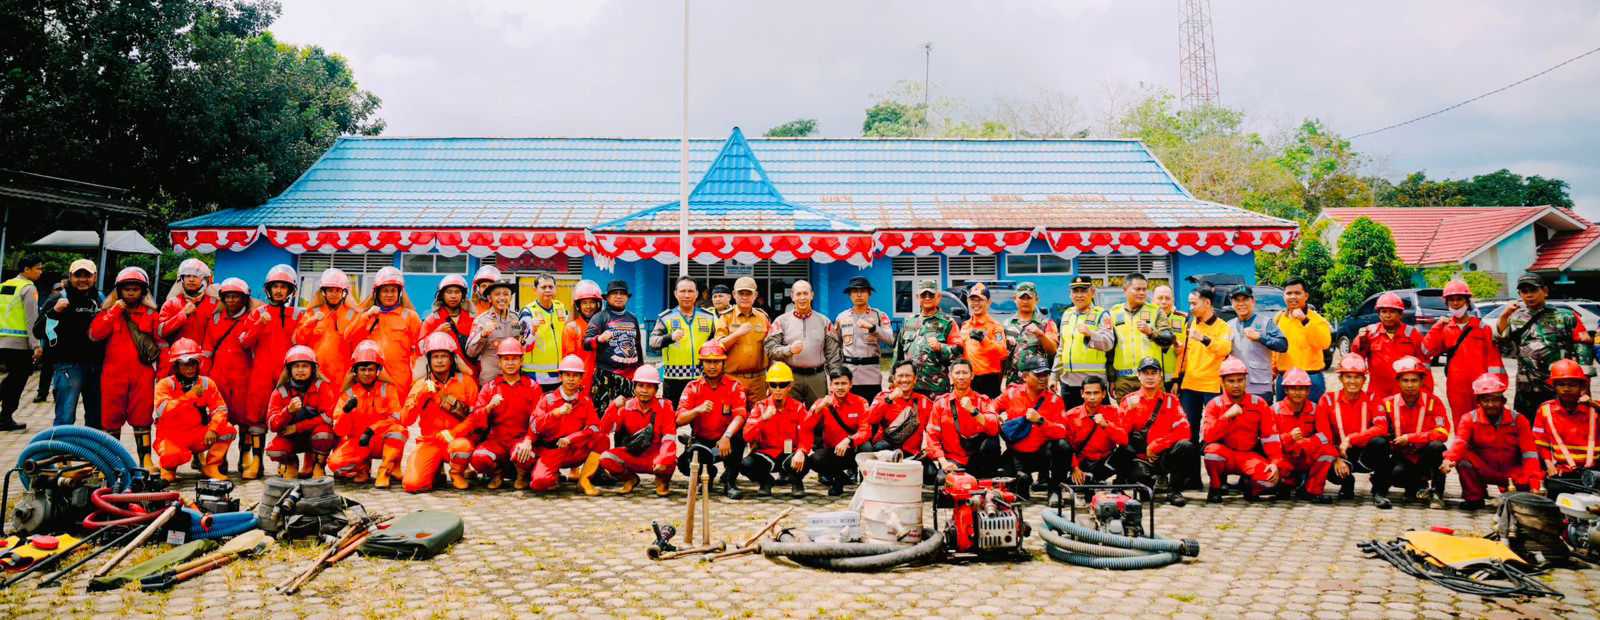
(1318, 386)
(1194, 404)
(72, 381)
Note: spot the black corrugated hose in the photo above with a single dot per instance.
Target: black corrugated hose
(858, 557)
(1075, 544)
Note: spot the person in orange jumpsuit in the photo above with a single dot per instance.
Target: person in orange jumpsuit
(1492, 445)
(1358, 431)
(188, 306)
(501, 416)
(587, 299)
(564, 433)
(963, 429)
(327, 324)
(440, 403)
(1034, 447)
(1421, 426)
(452, 314)
(1564, 429)
(486, 276)
(714, 407)
(1468, 346)
(1158, 434)
(300, 412)
(127, 323)
(367, 421)
(772, 431)
(1241, 436)
(1385, 342)
(1306, 446)
(835, 417)
(223, 358)
(267, 336)
(626, 422)
(191, 417)
(387, 319)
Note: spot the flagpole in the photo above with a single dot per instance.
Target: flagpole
(683, 158)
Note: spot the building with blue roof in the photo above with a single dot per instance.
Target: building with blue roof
(776, 209)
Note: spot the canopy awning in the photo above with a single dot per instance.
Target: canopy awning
(125, 241)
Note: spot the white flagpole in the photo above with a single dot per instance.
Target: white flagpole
(683, 158)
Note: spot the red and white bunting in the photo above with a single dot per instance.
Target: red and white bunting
(852, 248)
(208, 240)
(480, 243)
(951, 242)
(1069, 244)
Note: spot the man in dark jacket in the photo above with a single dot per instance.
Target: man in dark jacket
(616, 337)
(76, 358)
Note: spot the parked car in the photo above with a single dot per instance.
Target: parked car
(1423, 306)
(1588, 311)
(1269, 299)
(1002, 299)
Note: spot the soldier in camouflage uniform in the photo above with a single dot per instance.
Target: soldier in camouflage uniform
(1028, 332)
(929, 342)
(1537, 335)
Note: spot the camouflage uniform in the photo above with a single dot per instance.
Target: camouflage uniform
(1535, 347)
(911, 345)
(1027, 346)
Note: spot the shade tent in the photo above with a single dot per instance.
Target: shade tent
(124, 241)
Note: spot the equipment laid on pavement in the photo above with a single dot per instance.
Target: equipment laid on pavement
(113, 543)
(839, 526)
(663, 543)
(985, 519)
(889, 498)
(18, 554)
(699, 494)
(749, 546)
(177, 555)
(214, 496)
(416, 536)
(1534, 528)
(1464, 564)
(1112, 544)
(149, 530)
(251, 543)
(59, 468)
(1583, 523)
(293, 509)
(351, 538)
(66, 550)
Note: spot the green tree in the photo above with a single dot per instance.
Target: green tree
(1326, 167)
(797, 128)
(1312, 263)
(1416, 190)
(1482, 285)
(893, 119)
(1495, 189)
(190, 104)
(1542, 191)
(1366, 263)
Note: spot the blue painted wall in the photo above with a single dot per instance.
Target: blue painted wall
(1513, 255)
(252, 264)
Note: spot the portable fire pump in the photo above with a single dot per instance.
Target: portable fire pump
(984, 519)
(1120, 509)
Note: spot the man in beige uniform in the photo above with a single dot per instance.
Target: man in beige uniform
(806, 341)
(741, 332)
(864, 332)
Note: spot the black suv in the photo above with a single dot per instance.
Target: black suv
(1423, 307)
(1269, 299)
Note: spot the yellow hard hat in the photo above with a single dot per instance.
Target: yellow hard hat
(779, 373)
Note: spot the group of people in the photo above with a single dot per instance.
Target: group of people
(1140, 392)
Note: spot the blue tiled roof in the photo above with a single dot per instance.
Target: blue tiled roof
(582, 182)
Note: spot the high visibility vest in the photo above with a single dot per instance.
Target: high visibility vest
(681, 359)
(1132, 344)
(544, 350)
(1180, 333)
(1076, 356)
(13, 315)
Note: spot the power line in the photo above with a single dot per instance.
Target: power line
(1492, 92)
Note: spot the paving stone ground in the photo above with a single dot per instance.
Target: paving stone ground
(568, 555)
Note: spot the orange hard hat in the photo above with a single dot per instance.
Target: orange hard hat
(367, 352)
(647, 373)
(572, 363)
(184, 350)
(1353, 363)
(1567, 369)
(712, 350)
(1488, 383)
(1457, 288)
(1390, 301)
(509, 347)
(1296, 378)
(438, 341)
(1234, 366)
(299, 353)
(1409, 364)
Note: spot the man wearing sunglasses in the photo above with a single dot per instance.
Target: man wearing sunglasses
(772, 431)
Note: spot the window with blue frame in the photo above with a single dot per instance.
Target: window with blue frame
(434, 263)
(1037, 265)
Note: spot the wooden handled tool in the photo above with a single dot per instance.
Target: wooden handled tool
(149, 530)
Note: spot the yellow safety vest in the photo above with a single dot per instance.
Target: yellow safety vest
(13, 315)
(681, 359)
(544, 352)
(1169, 355)
(1076, 356)
(1132, 344)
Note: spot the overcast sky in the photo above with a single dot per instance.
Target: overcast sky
(612, 68)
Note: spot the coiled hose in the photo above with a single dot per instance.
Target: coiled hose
(1075, 544)
(125, 508)
(219, 525)
(95, 446)
(857, 557)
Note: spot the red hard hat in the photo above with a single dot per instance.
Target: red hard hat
(367, 352)
(334, 278)
(234, 285)
(1457, 287)
(509, 347)
(1488, 383)
(1409, 364)
(1390, 301)
(1296, 378)
(486, 273)
(281, 273)
(388, 276)
(712, 350)
(572, 363)
(299, 353)
(647, 373)
(453, 280)
(1566, 369)
(134, 275)
(585, 289)
(1353, 363)
(438, 341)
(1234, 366)
(184, 350)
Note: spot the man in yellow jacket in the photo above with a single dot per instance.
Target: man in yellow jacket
(1309, 336)
(1209, 343)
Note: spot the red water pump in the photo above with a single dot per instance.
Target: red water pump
(984, 519)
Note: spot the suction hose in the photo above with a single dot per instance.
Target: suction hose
(1075, 544)
(1059, 523)
(44, 449)
(95, 446)
(827, 555)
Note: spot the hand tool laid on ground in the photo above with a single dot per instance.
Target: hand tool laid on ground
(352, 537)
(247, 544)
(47, 563)
(121, 539)
(149, 530)
(749, 546)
